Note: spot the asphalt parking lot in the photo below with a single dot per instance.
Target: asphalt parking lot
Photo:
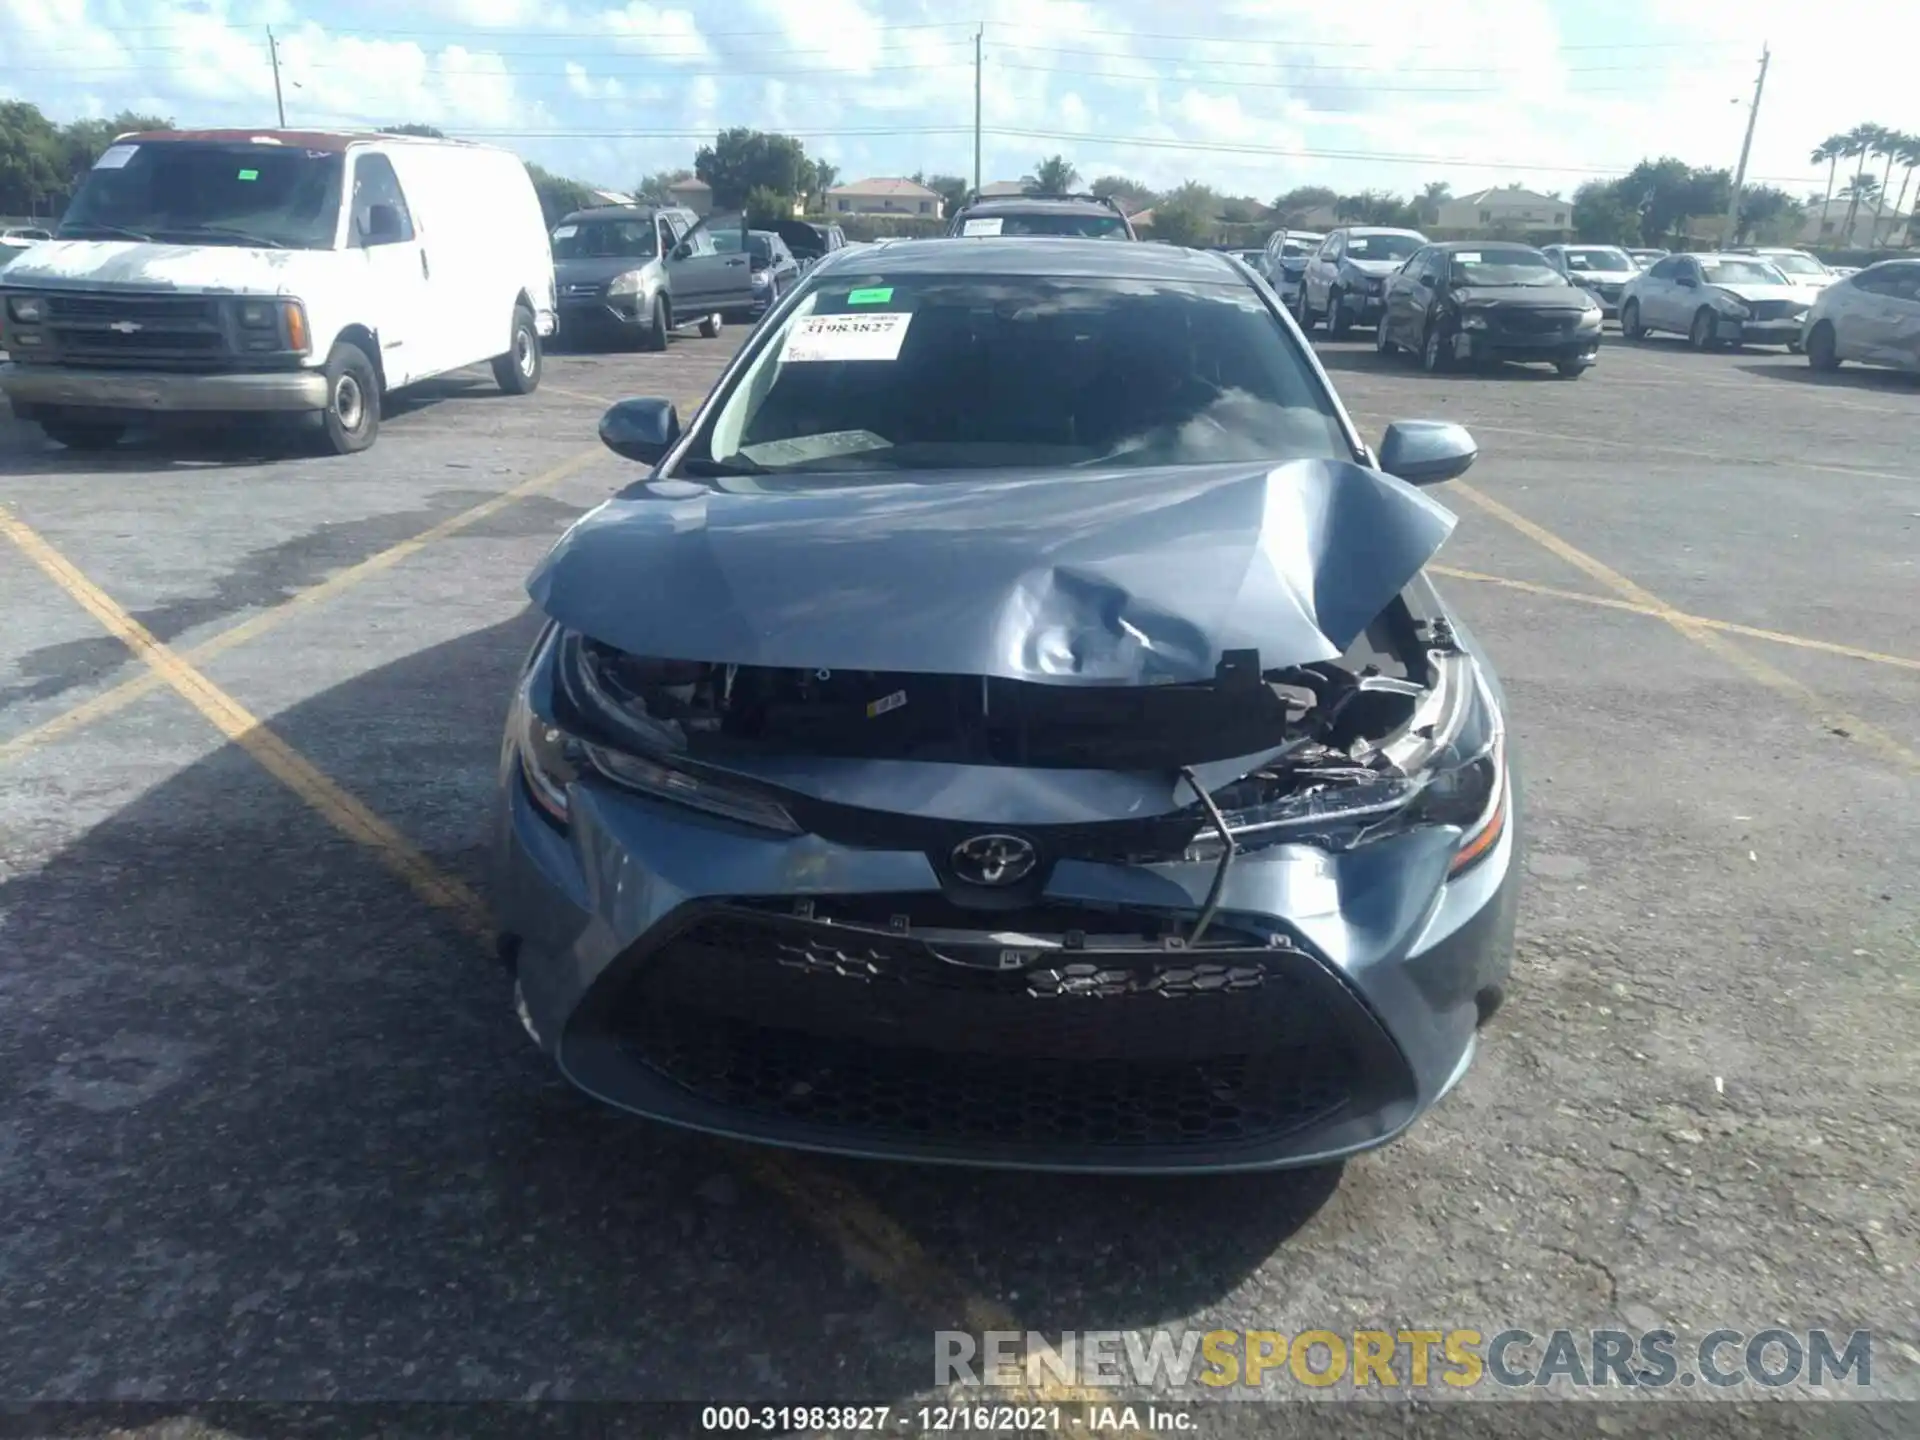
(273, 1132)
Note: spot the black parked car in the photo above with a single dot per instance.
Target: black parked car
(1467, 301)
(1088, 217)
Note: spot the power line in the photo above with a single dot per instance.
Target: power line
(1296, 86)
(599, 71)
(1243, 40)
(1271, 64)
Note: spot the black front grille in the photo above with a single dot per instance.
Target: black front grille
(162, 331)
(1535, 322)
(1121, 1036)
(1774, 309)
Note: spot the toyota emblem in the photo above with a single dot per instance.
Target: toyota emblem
(993, 859)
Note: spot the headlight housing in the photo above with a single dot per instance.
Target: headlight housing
(617, 741)
(27, 309)
(630, 282)
(1471, 321)
(760, 278)
(1733, 307)
(1447, 765)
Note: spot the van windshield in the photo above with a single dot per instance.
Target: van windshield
(195, 192)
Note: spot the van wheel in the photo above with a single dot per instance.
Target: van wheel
(654, 337)
(351, 420)
(83, 434)
(518, 371)
(712, 326)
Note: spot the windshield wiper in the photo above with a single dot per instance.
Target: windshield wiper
(739, 465)
(119, 230)
(221, 232)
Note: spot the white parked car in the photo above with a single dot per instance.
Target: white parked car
(1803, 271)
(1601, 270)
(292, 272)
(1872, 316)
(1714, 300)
(19, 237)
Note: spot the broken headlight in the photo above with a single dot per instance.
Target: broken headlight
(1446, 765)
(623, 744)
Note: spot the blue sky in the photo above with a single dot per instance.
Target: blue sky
(1254, 96)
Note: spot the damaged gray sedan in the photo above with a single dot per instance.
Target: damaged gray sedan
(1012, 726)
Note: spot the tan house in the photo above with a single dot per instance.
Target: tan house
(1001, 189)
(1508, 210)
(883, 196)
(696, 195)
(1832, 229)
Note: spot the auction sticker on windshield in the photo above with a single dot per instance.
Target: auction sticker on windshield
(115, 157)
(988, 226)
(846, 337)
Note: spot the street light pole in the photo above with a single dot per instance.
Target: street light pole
(1746, 148)
(976, 107)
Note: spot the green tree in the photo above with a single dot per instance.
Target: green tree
(1909, 157)
(425, 132)
(1292, 207)
(1132, 195)
(1240, 210)
(741, 160)
(1052, 176)
(658, 186)
(952, 190)
(822, 176)
(1668, 192)
(1768, 216)
(81, 141)
(559, 196)
(1860, 190)
(1376, 207)
(1856, 144)
(765, 205)
(1603, 215)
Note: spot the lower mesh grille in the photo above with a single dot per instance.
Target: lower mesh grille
(929, 1095)
(803, 1021)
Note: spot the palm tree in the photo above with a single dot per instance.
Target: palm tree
(1909, 157)
(1860, 142)
(1052, 176)
(1828, 154)
(1860, 189)
(1887, 143)
(1433, 195)
(825, 176)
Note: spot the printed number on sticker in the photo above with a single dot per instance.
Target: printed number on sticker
(988, 226)
(846, 337)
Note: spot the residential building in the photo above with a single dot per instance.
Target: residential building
(696, 195)
(1830, 228)
(884, 195)
(1001, 189)
(1505, 212)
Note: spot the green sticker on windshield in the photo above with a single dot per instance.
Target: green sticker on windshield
(870, 297)
(249, 174)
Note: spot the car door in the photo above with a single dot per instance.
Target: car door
(703, 279)
(1878, 325)
(1656, 293)
(1403, 298)
(397, 285)
(1903, 319)
(1322, 268)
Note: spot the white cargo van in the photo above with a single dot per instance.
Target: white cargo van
(301, 272)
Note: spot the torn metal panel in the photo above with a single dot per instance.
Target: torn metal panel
(1117, 577)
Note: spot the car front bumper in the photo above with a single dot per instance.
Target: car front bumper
(1766, 332)
(1483, 345)
(784, 989)
(34, 387)
(602, 313)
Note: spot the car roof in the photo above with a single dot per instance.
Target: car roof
(1037, 204)
(1380, 230)
(1454, 247)
(1055, 256)
(621, 212)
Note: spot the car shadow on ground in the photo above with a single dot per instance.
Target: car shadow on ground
(217, 441)
(276, 1132)
(1849, 377)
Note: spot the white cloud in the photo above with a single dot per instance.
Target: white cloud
(665, 34)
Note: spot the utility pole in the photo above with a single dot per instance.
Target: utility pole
(1746, 147)
(273, 54)
(977, 34)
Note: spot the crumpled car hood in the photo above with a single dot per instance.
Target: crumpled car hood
(1117, 577)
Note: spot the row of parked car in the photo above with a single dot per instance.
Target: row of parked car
(1459, 301)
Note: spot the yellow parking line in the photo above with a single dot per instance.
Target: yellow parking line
(233, 720)
(1830, 716)
(112, 701)
(863, 1233)
(1726, 627)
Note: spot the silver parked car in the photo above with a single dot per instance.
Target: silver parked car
(1287, 254)
(1345, 282)
(1601, 270)
(1872, 316)
(1714, 300)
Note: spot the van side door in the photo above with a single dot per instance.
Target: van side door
(395, 294)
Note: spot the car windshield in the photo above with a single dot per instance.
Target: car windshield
(759, 245)
(208, 193)
(1741, 272)
(1084, 226)
(934, 372)
(1382, 247)
(1513, 266)
(606, 239)
(1797, 264)
(1603, 259)
(1305, 245)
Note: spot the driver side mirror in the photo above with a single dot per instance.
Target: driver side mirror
(641, 429)
(1427, 452)
(681, 251)
(1426, 279)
